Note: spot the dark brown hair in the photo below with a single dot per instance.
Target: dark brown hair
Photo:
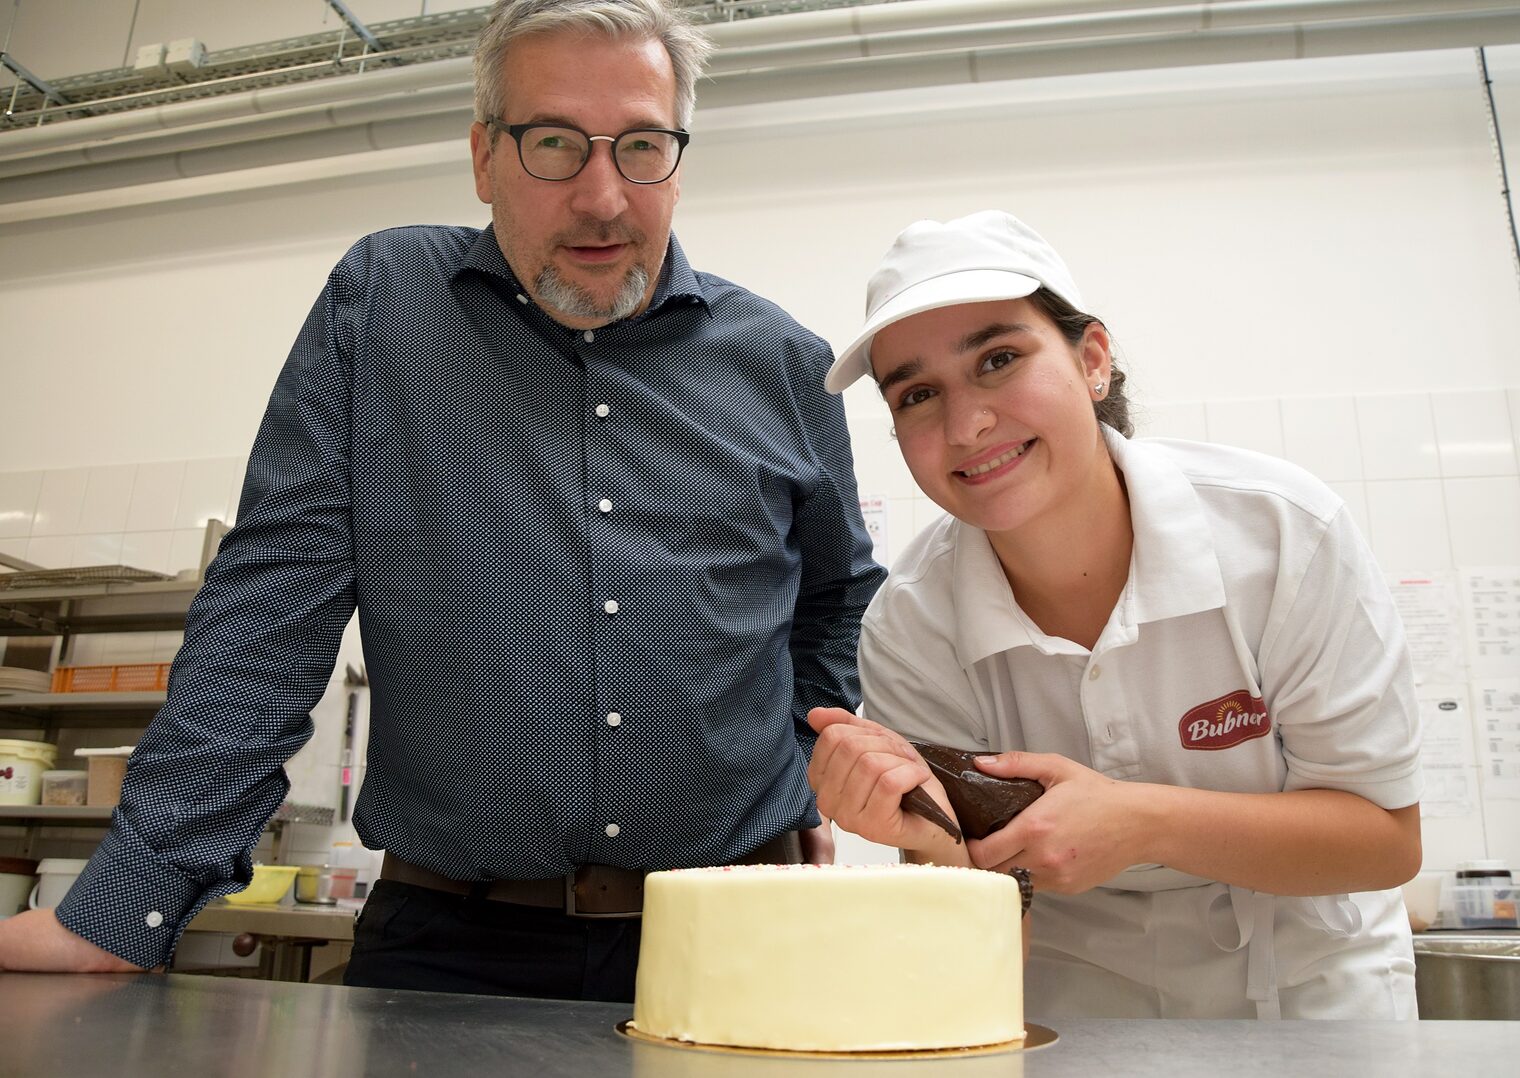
(1113, 409)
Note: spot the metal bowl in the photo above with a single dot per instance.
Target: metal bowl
(314, 885)
(1468, 976)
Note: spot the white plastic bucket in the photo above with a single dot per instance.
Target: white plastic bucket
(55, 875)
(17, 875)
(21, 766)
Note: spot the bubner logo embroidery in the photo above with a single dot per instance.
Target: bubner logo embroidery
(1224, 722)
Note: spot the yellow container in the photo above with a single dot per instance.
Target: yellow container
(21, 766)
(270, 883)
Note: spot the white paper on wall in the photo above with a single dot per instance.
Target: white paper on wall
(1447, 760)
(874, 510)
(1492, 600)
(1431, 614)
(1498, 715)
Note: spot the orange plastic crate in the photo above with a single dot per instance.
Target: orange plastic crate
(119, 677)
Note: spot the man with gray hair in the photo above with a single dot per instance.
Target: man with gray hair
(598, 519)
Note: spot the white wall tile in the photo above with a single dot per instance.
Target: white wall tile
(107, 497)
(899, 529)
(1246, 424)
(148, 550)
(1501, 824)
(97, 549)
(1407, 522)
(1484, 518)
(185, 550)
(166, 645)
(60, 501)
(1320, 434)
(88, 649)
(155, 496)
(235, 492)
(1448, 840)
(1473, 433)
(205, 492)
(1398, 437)
(1174, 420)
(1513, 396)
(925, 512)
(18, 502)
(16, 547)
(881, 472)
(50, 551)
(1355, 497)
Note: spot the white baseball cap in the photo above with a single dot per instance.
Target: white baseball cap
(986, 256)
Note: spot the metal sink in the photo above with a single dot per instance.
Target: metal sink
(1468, 975)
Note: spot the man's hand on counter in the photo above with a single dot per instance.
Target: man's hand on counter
(34, 941)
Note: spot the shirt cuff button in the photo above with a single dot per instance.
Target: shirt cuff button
(154, 919)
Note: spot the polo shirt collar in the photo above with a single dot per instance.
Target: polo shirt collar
(1174, 570)
(678, 282)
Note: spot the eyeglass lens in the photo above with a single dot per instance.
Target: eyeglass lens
(557, 153)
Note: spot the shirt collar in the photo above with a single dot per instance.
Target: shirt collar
(678, 282)
(1174, 569)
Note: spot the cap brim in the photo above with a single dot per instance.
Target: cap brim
(953, 289)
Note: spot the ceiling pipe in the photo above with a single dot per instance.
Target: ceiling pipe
(814, 54)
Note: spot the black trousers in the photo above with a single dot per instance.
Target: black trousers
(418, 938)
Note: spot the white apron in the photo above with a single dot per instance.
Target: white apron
(1157, 943)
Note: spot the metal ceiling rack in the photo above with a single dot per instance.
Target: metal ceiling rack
(351, 48)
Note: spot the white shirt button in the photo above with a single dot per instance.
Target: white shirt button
(588, 336)
(612, 830)
(154, 919)
(610, 606)
(604, 505)
(521, 298)
(602, 410)
(614, 719)
(1092, 675)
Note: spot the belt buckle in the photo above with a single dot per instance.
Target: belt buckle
(572, 910)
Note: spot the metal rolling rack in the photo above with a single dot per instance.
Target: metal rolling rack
(65, 603)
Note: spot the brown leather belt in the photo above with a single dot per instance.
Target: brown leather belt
(589, 891)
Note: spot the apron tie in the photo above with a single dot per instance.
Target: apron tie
(1254, 912)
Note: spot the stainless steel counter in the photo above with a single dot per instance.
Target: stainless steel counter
(54, 1025)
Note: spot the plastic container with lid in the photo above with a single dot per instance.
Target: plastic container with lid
(17, 874)
(1483, 895)
(55, 875)
(107, 766)
(65, 788)
(21, 766)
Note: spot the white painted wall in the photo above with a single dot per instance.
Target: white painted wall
(1293, 257)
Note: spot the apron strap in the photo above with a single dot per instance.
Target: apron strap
(1254, 913)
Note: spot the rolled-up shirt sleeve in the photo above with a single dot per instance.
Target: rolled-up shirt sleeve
(260, 642)
(1337, 678)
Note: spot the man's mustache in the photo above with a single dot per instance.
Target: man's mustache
(598, 234)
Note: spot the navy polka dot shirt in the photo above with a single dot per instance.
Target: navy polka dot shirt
(601, 577)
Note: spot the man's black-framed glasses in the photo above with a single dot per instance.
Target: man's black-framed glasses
(557, 152)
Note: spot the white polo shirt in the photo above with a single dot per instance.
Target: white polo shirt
(1255, 648)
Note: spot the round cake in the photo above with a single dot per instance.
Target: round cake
(849, 958)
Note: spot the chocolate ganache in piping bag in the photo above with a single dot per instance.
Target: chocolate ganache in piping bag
(981, 802)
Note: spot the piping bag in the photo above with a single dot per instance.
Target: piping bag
(982, 802)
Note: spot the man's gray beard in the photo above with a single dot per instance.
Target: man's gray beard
(557, 294)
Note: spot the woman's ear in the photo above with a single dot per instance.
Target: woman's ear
(1094, 354)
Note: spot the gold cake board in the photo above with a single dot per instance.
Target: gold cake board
(1034, 1037)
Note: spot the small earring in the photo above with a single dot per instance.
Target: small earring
(1098, 388)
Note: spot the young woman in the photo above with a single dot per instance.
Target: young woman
(1189, 645)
